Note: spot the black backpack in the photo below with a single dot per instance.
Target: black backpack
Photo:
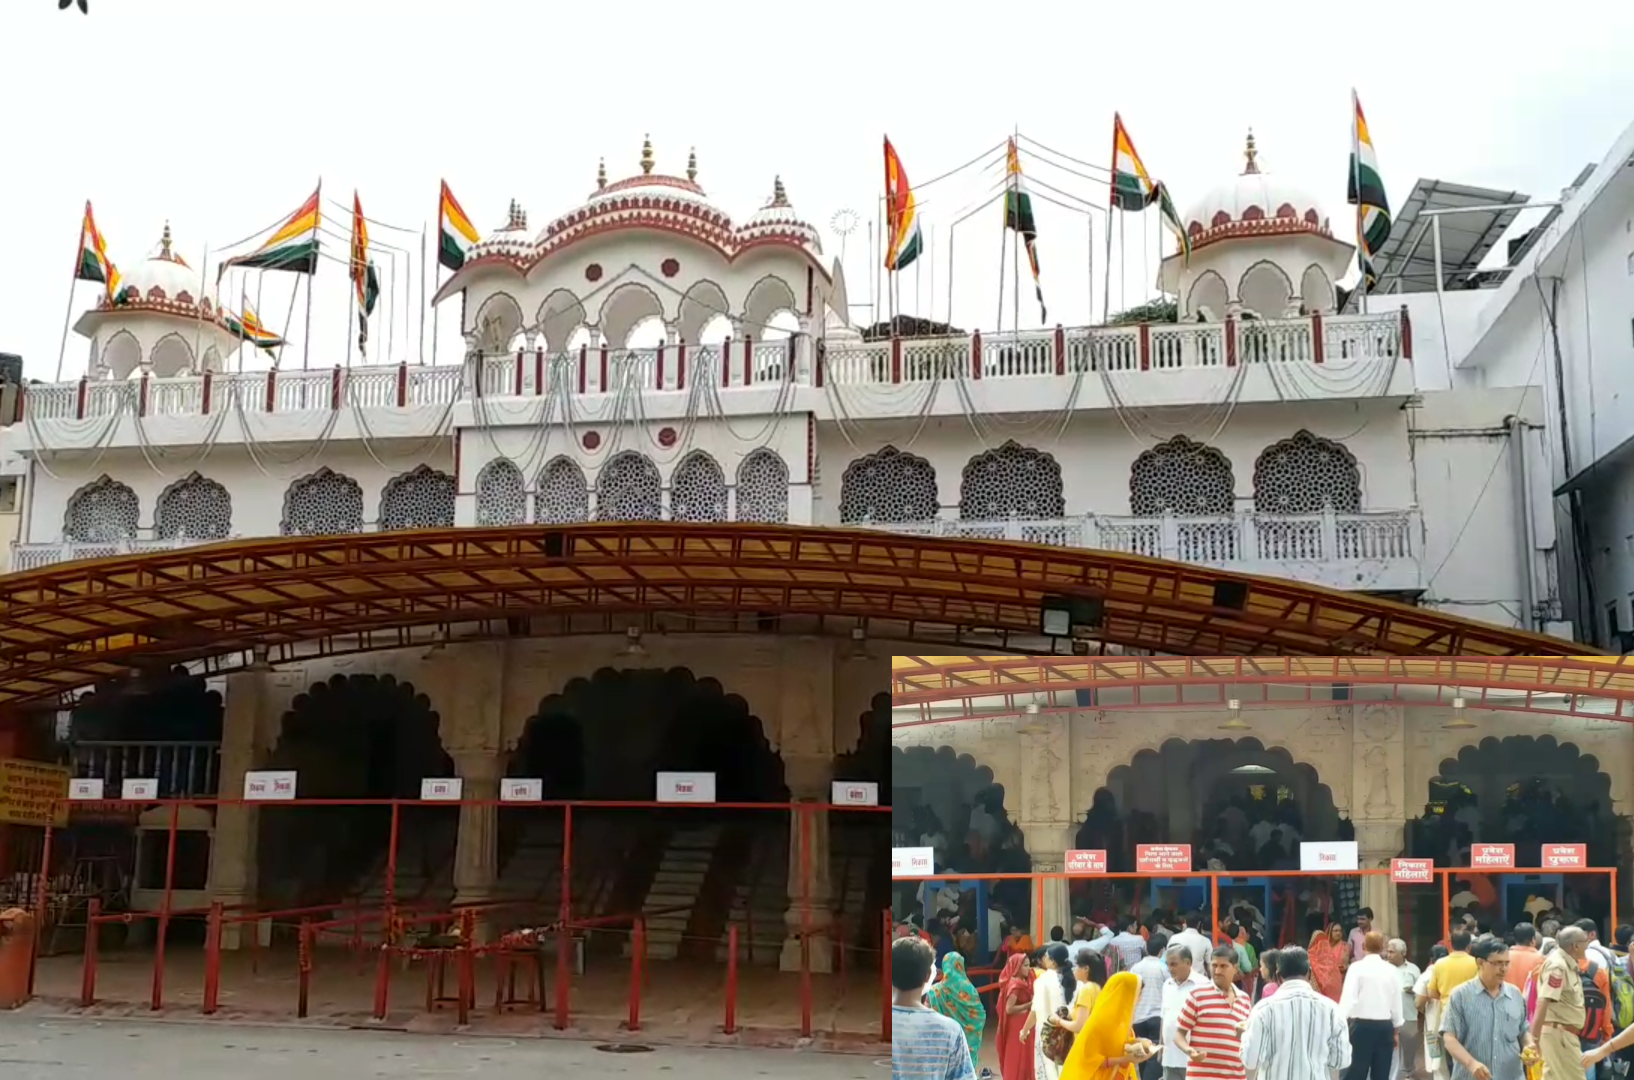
(1595, 1005)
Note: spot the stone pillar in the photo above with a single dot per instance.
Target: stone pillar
(235, 844)
(1377, 804)
(808, 779)
(476, 856)
(1044, 813)
(1047, 843)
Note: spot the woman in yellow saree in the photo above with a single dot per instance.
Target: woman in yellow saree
(1101, 1049)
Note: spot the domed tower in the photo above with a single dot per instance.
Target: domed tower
(161, 323)
(1261, 248)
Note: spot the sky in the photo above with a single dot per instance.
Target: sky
(220, 116)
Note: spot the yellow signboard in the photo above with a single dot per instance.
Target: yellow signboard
(29, 790)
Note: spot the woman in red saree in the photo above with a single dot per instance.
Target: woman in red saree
(1328, 952)
(1015, 1001)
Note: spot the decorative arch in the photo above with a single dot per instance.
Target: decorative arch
(502, 494)
(1011, 481)
(559, 315)
(628, 488)
(1265, 290)
(1307, 474)
(1209, 296)
(889, 487)
(104, 511)
(629, 303)
(697, 489)
(763, 488)
(766, 297)
(561, 497)
(193, 508)
(1316, 290)
(1181, 477)
(323, 503)
(171, 355)
(422, 498)
(122, 355)
(497, 323)
(703, 302)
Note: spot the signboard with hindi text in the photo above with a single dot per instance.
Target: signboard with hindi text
(139, 789)
(1412, 871)
(692, 787)
(1564, 857)
(1492, 857)
(913, 861)
(1328, 856)
(441, 789)
(86, 789)
(1086, 862)
(1163, 858)
(855, 793)
(269, 785)
(33, 793)
(521, 789)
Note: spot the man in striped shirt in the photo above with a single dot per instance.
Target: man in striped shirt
(925, 1045)
(1209, 1032)
(1297, 1034)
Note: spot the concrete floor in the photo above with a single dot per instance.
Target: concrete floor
(35, 1049)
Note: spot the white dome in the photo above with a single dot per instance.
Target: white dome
(1254, 203)
(166, 272)
(778, 218)
(510, 239)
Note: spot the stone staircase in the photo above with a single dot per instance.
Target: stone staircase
(760, 898)
(425, 865)
(852, 859)
(677, 884)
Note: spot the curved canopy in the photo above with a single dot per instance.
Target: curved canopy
(68, 625)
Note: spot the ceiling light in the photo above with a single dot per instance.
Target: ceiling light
(1235, 721)
(258, 660)
(1032, 720)
(438, 644)
(859, 643)
(1253, 770)
(1459, 721)
(632, 642)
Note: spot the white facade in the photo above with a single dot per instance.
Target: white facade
(1253, 437)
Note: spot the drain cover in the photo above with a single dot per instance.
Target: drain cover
(624, 1048)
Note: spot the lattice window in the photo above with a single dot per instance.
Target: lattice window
(193, 509)
(502, 495)
(422, 498)
(627, 489)
(101, 512)
(1011, 481)
(1305, 475)
(326, 503)
(1181, 477)
(697, 489)
(763, 488)
(888, 487)
(563, 497)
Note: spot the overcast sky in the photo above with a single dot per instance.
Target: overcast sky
(221, 115)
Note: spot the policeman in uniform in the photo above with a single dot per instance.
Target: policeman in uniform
(1560, 1016)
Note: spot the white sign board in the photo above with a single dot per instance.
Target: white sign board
(913, 861)
(855, 793)
(521, 789)
(85, 788)
(139, 789)
(694, 787)
(1328, 856)
(441, 789)
(271, 785)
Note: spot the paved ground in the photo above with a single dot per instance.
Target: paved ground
(32, 1049)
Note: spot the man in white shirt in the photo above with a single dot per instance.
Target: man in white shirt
(1083, 937)
(1184, 977)
(1371, 1001)
(1597, 951)
(1196, 942)
(1296, 1034)
(1407, 1036)
(1130, 945)
(1153, 972)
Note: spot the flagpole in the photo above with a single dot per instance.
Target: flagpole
(930, 249)
(391, 301)
(918, 277)
(306, 338)
(73, 283)
(1356, 180)
(952, 235)
(422, 305)
(1106, 270)
(351, 310)
(1123, 266)
(1089, 280)
(436, 280)
(1004, 239)
(260, 284)
(876, 259)
(198, 324)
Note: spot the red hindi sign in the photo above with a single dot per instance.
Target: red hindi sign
(1086, 862)
(1412, 871)
(1163, 858)
(1565, 857)
(1492, 857)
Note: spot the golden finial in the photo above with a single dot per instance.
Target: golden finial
(601, 174)
(780, 197)
(164, 244)
(646, 155)
(1251, 153)
(692, 164)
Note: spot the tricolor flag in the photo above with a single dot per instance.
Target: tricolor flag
(93, 263)
(1018, 216)
(293, 245)
(904, 242)
(248, 327)
(1133, 188)
(365, 280)
(455, 234)
(1366, 194)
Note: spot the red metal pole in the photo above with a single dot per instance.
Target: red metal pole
(87, 980)
(1613, 926)
(389, 892)
(885, 994)
(1214, 900)
(158, 1000)
(1446, 906)
(564, 934)
(382, 981)
(303, 997)
(42, 894)
(805, 921)
(212, 960)
(731, 1025)
(638, 949)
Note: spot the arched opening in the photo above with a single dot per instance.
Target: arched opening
(1307, 474)
(858, 843)
(193, 508)
(715, 330)
(626, 307)
(704, 314)
(1265, 291)
(605, 737)
(559, 318)
(1315, 291)
(649, 333)
(498, 322)
(768, 296)
(1528, 791)
(888, 487)
(122, 355)
(356, 737)
(502, 495)
(1208, 298)
(103, 512)
(171, 356)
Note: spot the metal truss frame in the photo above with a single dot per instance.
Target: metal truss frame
(73, 624)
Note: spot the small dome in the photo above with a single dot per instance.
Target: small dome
(778, 218)
(509, 239)
(164, 277)
(1254, 203)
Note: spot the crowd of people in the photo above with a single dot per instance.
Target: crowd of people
(1129, 1001)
